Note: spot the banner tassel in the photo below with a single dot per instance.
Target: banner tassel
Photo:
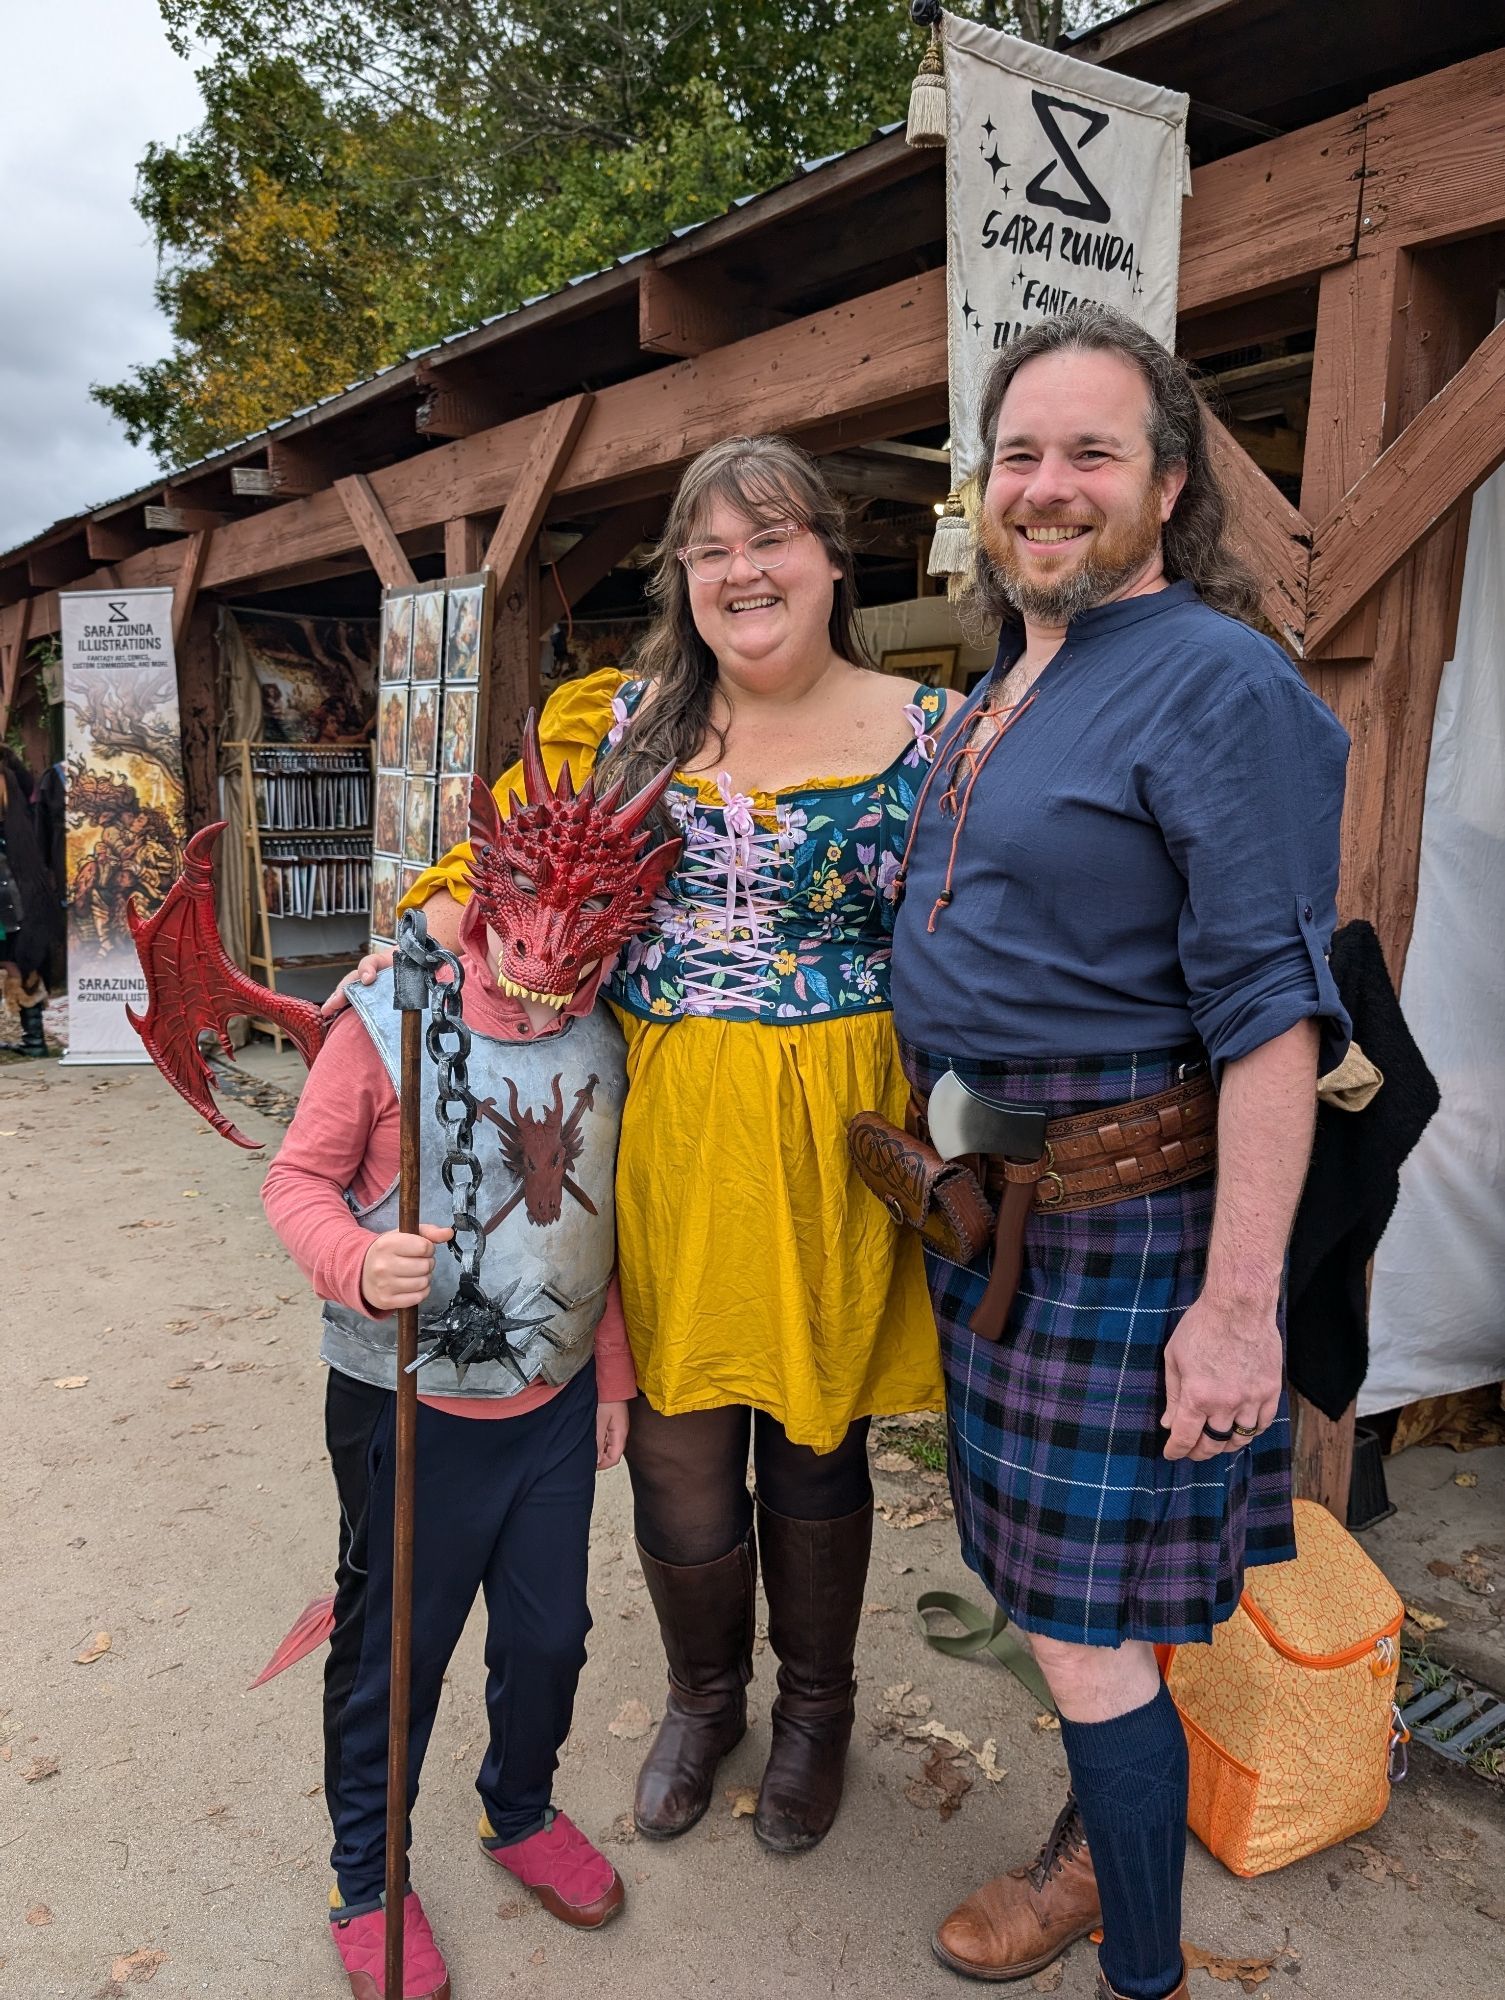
(951, 545)
(927, 98)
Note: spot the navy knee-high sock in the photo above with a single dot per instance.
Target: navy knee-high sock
(1130, 1781)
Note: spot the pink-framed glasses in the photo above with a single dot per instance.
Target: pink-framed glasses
(711, 562)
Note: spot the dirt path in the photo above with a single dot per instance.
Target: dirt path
(178, 1500)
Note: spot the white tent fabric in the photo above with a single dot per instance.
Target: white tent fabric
(1437, 1309)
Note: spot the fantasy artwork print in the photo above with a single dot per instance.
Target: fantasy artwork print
(454, 813)
(465, 617)
(423, 728)
(384, 894)
(457, 754)
(317, 676)
(418, 824)
(387, 829)
(428, 635)
(392, 729)
(397, 637)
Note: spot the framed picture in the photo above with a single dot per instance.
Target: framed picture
(384, 892)
(387, 827)
(464, 630)
(457, 750)
(428, 635)
(407, 877)
(454, 813)
(423, 728)
(932, 666)
(392, 727)
(396, 637)
(418, 822)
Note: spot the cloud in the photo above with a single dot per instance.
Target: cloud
(76, 305)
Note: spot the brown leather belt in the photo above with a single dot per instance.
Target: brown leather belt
(1100, 1156)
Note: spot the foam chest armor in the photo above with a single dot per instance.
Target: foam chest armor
(546, 1139)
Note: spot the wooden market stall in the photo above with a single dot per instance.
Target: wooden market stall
(1342, 254)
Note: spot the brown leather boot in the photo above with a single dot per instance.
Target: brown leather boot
(705, 1617)
(1106, 1992)
(814, 1573)
(1022, 1921)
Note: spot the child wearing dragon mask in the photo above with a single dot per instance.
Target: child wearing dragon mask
(502, 1506)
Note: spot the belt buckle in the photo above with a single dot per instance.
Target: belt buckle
(1041, 1198)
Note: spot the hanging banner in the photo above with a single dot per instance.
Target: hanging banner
(125, 811)
(1064, 187)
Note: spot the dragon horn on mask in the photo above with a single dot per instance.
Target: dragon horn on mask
(568, 877)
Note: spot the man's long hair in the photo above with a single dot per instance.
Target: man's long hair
(1195, 537)
(766, 480)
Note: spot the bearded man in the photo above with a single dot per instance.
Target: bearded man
(1117, 907)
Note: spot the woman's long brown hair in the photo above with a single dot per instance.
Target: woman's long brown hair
(768, 480)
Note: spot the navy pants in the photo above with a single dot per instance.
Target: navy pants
(503, 1506)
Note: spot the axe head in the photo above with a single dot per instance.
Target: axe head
(962, 1122)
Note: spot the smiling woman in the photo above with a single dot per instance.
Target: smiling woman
(768, 1298)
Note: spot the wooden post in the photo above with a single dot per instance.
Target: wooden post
(198, 715)
(463, 544)
(1434, 307)
(516, 638)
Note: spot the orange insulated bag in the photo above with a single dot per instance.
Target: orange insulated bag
(1289, 1713)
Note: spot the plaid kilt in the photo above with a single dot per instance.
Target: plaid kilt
(1078, 1525)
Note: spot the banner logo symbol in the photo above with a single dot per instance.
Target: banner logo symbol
(118, 613)
(1090, 207)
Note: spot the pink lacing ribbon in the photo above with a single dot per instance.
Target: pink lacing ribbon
(728, 883)
(918, 721)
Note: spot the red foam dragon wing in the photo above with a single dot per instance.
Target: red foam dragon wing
(310, 1629)
(192, 985)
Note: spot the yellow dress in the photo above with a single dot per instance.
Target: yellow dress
(755, 1267)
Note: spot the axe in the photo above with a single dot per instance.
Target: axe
(960, 1123)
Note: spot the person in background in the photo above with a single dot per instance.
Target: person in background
(31, 918)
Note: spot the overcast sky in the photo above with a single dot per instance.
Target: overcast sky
(90, 82)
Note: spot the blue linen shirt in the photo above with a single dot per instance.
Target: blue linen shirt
(1149, 856)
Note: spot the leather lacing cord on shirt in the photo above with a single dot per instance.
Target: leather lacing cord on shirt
(975, 759)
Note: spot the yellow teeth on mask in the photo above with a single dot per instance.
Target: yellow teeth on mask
(515, 991)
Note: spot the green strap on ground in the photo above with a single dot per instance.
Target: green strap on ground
(981, 1634)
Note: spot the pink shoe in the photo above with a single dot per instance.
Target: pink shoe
(572, 1879)
(361, 1940)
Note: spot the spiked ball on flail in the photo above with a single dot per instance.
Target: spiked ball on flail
(567, 878)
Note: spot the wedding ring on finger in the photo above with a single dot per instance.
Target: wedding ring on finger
(1246, 1430)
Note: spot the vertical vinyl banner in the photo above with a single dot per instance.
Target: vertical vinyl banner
(1064, 186)
(126, 821)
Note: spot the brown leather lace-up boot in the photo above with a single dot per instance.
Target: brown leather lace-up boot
(814, 1573)
(705, 1617)
(1022, 1921)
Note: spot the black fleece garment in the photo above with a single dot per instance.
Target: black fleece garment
(1353, 1183)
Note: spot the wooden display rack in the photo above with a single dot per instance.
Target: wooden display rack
(261, 961)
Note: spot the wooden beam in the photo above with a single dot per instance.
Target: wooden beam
(1117, 39)
(1443, 454)
(679, 313)
(464, 541)
(1248, 324)
(113, 541)
(454, 412)
(523, 514)
(198, 710)
(298, 467)
(57, 563)
(374, 530)
(181, 520)
(253, 482)
(516, 643)
(1267, 531)
(186, 589)
(11, 655)
(581, 568)
(1435, 147)
(1262, 220)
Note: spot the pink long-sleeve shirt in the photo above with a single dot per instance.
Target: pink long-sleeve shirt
(345, 1135)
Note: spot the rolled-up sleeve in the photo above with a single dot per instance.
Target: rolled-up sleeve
(1250, 805)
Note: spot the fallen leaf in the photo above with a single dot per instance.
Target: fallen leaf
(630, 1722)
(1049, 1981)
(1425, 1621)
(743, 1801)
(190, 1194)
(507, 1911)
(1250, 1973)
(1045, 1722)
(70, 1382)
(893, 1461)
(39, 1914)
(1440, 1568)
(538, 1957)
(40, 1768)
(624, 1828)
(987, 1762)
(96, 1649)
(178, 1382)
(942, 1783)
(1465, 1479)
(1375, 1865)
(137, 1968)
(4, 1753)
(873, 1610)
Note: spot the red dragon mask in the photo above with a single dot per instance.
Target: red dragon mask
(567, 878)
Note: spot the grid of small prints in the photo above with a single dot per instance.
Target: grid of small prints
(427, 725)
(313, 811)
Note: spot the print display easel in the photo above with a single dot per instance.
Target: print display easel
(430, 728)
(306, 823)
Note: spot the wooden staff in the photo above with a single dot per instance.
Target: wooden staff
(410, 995)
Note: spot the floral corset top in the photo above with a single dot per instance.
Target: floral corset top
(782, 905)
